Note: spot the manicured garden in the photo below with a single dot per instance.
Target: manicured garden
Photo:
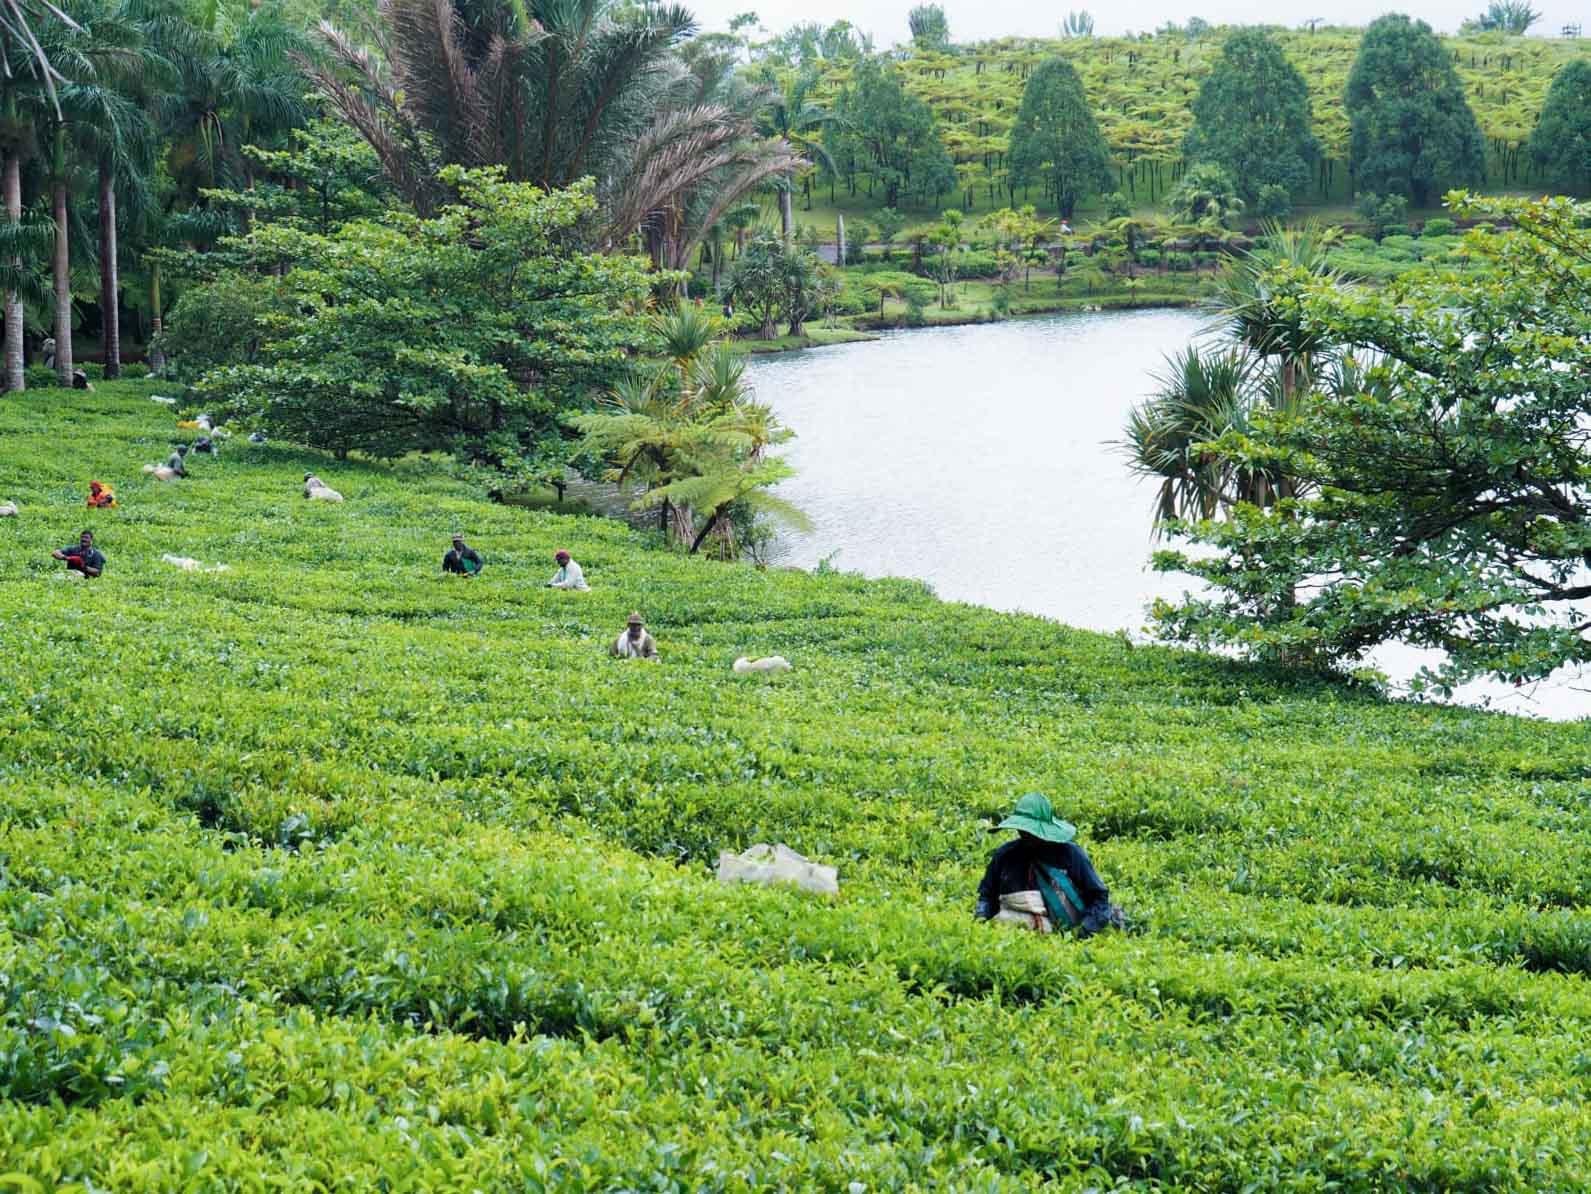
(329, 871)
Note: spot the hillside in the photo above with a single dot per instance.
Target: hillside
(1142, 93)
(328, 872)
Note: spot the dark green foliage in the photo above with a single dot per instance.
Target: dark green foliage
(1382, 212)
(1439, 465)
(882, 129)
(1411, 129)
(1561, 142)
(1056, 142)
(1252, 118)
(471, 331)
(1513, 17)
(929, 27)
(224, 322)
(1273, 202)
(775, 280)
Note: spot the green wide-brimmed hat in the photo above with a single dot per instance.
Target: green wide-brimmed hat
(1035, 815)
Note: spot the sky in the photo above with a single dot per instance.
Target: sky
(976, 20)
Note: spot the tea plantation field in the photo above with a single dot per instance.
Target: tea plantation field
(325, 873)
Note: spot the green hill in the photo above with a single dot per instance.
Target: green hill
(1142, 91)
(326, 872)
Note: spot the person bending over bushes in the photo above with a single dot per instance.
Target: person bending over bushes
(463, 560)
(1044, 879)
(82, 556)
(569, 574)
(100, 496)
(634, 642)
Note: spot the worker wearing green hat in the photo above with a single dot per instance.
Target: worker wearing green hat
(1043, 878)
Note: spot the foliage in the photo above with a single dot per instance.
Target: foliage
(893, 133)
(929, 27)
(1077, 24)
(775, 280)
(554, 92)
(405, 848)
(1273, 202)
(1056, 141)
(1382, 212)
(1561, 141)
(1447, 497)
(1206, 192)
(224, 322)
(470, 330)
(693, 432)
(1412, 130)
(1251, 118)
(1142, 90)
(1513, 17)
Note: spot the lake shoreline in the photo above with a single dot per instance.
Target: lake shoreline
(872, 328)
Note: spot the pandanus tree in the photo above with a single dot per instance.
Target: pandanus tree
(1200, 396)
(1271, 360)
(553, 91)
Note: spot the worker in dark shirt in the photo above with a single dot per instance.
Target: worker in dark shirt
(1044, 858)
(82, 556)
(462, 560)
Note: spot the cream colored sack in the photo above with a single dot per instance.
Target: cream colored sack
(777, 864)
(1025, 908)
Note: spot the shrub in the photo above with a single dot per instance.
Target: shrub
(1438, 226)
(222, 323)
(1274, 202)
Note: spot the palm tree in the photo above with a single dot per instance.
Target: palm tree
(30, 89)
(235, 86)
(96, 52)
(792, 116)
(1199, 397)
(1246, 307)
(553, 91)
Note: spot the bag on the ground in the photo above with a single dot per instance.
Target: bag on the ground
(777, 864)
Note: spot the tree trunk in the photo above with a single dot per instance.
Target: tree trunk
(109, 279)
(711, 523)
(157, 357)
(61, 267)
(786, 215)
(11, 183)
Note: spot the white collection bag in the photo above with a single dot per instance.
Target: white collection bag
(777, 864)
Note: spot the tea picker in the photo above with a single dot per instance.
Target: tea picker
(1043, 879)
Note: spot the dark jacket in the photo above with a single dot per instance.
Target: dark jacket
(454, 561)
(90, 559)
(1011, 869)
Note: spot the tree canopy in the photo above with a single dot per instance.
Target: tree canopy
(1411, 129)
(1252, 117)
(1561, 142)
(1056, 140)
(879, 123)
(471, 330)
(1444, 477)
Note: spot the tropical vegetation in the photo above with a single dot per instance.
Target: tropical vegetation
(1420, 453)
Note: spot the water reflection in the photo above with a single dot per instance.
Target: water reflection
(977, 459)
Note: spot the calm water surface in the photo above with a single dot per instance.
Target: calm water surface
(980, 459)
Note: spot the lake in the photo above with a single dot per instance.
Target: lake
(980, 459)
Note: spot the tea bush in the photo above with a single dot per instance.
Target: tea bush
(327, 870)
